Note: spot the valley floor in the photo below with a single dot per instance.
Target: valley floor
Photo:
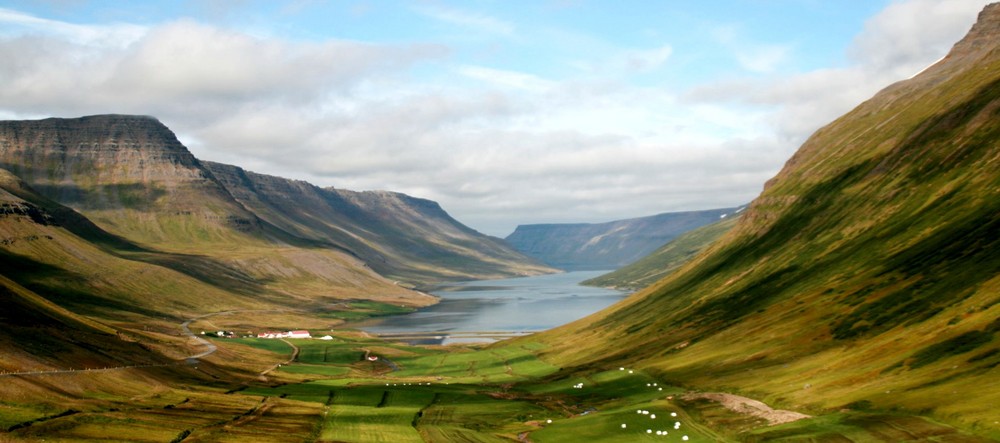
(357, 388)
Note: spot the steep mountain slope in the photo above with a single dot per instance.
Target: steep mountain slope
(668, 258)
(133, 178)
(40, 335)
(399, 236)
(867, 274)
(55, 252)
(596, 246)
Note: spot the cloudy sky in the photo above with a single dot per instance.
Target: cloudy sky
(506, 112)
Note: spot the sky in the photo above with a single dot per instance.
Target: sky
(505, 112)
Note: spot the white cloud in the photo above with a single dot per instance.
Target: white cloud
(752, 56)
(908, 35)
(188, 69)
(496, 147)
(468, 20)
(763, 58)
(118, 35)
(897, 42)
(644, 60)
(505, 78)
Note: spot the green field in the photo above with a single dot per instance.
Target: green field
(506, 392)
(500, 393)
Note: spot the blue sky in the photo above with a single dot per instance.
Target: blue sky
(505, 112)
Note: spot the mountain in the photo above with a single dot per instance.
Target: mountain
(53, 251)
(399, 236)
(866, 276)
(133, 178)
(666, 259)
(611, 245)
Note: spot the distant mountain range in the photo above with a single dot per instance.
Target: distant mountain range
(865, 277)
(665, 259)
(611, 245)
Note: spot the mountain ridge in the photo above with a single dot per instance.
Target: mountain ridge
(608, 245)
(131, 176)
(400, 236)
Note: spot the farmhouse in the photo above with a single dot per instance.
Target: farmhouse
(286, 334)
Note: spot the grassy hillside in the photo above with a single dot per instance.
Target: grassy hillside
(864, 277)
(664, 260)
(56, 252)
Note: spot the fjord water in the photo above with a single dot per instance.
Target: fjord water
(516, 305)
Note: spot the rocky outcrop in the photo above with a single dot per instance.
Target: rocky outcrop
(32, 212)
(107, 163)
(97, 149)
(983, 35)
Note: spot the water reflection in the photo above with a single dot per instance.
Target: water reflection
(509, 306)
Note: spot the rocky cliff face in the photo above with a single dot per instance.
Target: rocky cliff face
(602, 246)
(67, 157)
(128, 173)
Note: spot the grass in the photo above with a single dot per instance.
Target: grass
(492, 394)
(373, 415)
(363, 309)
(273, 345)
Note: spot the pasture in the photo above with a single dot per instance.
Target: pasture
(504, 392)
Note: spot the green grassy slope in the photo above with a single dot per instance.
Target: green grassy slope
(56, 252)
(865, 276)
(40, 335)
(664, 260)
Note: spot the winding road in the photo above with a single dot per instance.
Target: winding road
(295, 355)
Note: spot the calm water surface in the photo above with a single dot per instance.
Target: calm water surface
(517, 305)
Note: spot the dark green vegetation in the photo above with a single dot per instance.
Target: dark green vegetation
(362, 309)
(866, 276)
(601, 246)
(665, 260)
